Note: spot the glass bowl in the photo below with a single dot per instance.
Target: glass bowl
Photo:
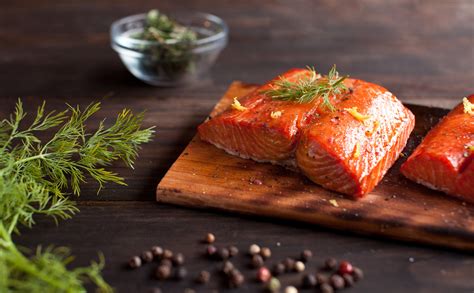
(150, 61)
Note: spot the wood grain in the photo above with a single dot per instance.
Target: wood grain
(204, 176)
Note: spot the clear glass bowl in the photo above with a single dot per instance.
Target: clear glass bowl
(145, 60)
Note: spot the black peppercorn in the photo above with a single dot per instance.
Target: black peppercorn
(257, 261)
(233, 251)
(166, 262)
(330, 264)
(167, 254)
(278, 269)
(348, 280)
(358, 274)
(236, 279)
(227, 267)
(322, 278)
(306, 255)
(180, 273)
(289, 264)
(326, 288)
(178, 259)
(265, 252)
(223, 253)
(203, 277)
(135, 262)
(309, 281)
(147, 256)
(337, 282)
(211, 250)
(163, 272)
(157, 251)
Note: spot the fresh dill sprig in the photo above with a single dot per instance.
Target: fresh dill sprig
(308, 89)
(33, 179)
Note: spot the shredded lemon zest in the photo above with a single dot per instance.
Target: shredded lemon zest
(468, 106)
(356, 154)
(276, 114)
(470, 148)
(334, 202)
(356, 114)
(237, 106)
(376, 125)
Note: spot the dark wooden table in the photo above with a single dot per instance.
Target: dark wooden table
(59, 51)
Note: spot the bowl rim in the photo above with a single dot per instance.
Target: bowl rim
(115, 34)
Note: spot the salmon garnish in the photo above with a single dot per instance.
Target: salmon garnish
(351, 149)
(445, 158)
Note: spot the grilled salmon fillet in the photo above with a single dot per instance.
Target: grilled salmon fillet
(264, 130)
(445, 158)
(348, 150)
(351, 149)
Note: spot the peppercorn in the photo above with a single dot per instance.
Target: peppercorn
(273, 285)
(278, 269)
(345, 268)
(155, 290)
(291, 289)
(289, 264)
(203, 277)
(157, 251)
(166, 262)
(227, 267)
(306, 255)
(167, 254)
(135, 262)
(211, 250)
(257, 261)
(299, 266)
(322, 278)
(254, 249)
(210, 238)
(236, 279)
(233, 251)
(223, 253)
(147, 256)
(348, 280)
(357, 273)
(163, 272)
(178, 259)
(309, 281)
(337, 282)
(265, 252)
(263, 275)
(189, 290)
(180, 273)
(330, 264)
(326, 288)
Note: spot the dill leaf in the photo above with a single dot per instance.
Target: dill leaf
(308, 89)
(34, 178)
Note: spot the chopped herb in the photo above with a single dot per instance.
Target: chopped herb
(310, 88)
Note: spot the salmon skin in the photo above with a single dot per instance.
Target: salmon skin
(445, 158)
(347, 150)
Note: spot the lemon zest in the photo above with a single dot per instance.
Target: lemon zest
(276, 114)
(468, 106)
(334, 202)
(356, 153)
(356, 114)
(237, 106)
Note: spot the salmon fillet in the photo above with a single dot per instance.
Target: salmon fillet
(256, 133)
(350, 155)
(333, 149)
(444, 160)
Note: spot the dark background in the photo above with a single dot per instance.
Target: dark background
(58, 51)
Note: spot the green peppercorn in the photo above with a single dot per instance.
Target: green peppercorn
(254, 249)
(135, 262)
(273, 285)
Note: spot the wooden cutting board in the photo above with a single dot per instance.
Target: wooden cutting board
(206, 177)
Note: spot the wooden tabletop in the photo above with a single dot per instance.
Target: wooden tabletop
(59, 51)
